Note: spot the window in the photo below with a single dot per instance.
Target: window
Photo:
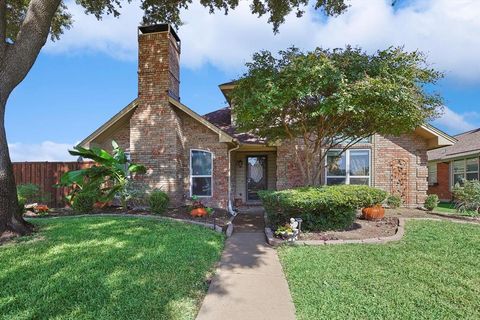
(465, 169)
(351, 167)
(366, 140)
(432, 174)
(201, 169)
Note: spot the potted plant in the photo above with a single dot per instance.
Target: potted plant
(284, 231)
(198, 209)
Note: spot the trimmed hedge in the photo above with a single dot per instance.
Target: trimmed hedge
(321, 208)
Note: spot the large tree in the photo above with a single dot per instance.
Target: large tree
(328, 99)
(26, 24)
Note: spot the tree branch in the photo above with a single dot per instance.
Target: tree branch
(32, 36)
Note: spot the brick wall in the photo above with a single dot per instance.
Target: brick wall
(398, 164)
(442, 187)
(289, 174)
(194, 135)
(121, 136)
(400, 167)
(155, 127)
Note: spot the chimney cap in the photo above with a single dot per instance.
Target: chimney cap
(163, 27)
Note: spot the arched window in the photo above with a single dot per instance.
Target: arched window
(201, 173)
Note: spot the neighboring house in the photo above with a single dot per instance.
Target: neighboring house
(188, 154)
(450, 165)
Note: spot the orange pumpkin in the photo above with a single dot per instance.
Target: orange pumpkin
(41, 208)
(373, 213)
(198, 212)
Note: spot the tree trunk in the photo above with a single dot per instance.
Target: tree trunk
(11, 220)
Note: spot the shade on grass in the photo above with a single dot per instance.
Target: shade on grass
(449, 208)
(107, 268)
(433, 273)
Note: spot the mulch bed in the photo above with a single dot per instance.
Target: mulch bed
(220, 216)
(416, 213)
(361, 229)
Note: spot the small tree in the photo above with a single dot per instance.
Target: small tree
(108, 178)
(328, 99)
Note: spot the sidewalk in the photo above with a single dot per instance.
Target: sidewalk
(249, 283)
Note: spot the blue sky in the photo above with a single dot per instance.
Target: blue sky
(91, 73)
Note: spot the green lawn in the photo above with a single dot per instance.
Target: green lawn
(107, 268)
(449, 208)
(433, 273)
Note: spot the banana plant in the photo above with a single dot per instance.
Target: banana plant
(107, 178)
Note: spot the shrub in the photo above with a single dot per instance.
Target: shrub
(431, 202)
(31, 193)
(84, 202)
(135, 194)
(325, 208)
(21, 205)
(158, 201)
(467, 197)
(394, 201)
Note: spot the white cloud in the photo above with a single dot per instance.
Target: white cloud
(45, 151)
(447, 30)
(454, 123)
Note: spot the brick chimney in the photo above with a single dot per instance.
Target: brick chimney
(155, 127)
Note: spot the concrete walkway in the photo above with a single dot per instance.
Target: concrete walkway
(249, 283)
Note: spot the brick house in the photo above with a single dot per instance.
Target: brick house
(187, 154)
(450, 165)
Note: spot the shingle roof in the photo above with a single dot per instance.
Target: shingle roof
(222, 119)
(468, 143)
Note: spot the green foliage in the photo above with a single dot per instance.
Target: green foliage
(108, 178)
(431, 202)
(467, 196)
(333, 98)
(158, 201)
(325, 208)
(394, 201)
(156, 11)
(379, 93)
(435, 264)
(21, 205)
(108, 268)
(84, 202)
(136, 194)
(31, 193)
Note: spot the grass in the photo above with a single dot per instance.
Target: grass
(433, 273)
(449, 208)
(107, 268)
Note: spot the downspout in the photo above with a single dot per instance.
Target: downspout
(230, 206)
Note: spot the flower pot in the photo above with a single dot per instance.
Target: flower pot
(373, 213)
(198, 212)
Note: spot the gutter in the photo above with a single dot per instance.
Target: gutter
(230, 206)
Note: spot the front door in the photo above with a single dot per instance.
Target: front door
(256, 176)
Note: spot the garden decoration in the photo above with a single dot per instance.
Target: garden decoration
(375, 212)
(198, 209)
(41, 208)
(290, 231)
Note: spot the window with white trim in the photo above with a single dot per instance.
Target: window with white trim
(432, 174)
(201, 173)
(465, 169)
(350, 167)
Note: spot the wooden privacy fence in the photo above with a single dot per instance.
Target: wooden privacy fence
(46, 175)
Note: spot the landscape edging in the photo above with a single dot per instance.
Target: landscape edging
(127, 215)
(399, 233)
